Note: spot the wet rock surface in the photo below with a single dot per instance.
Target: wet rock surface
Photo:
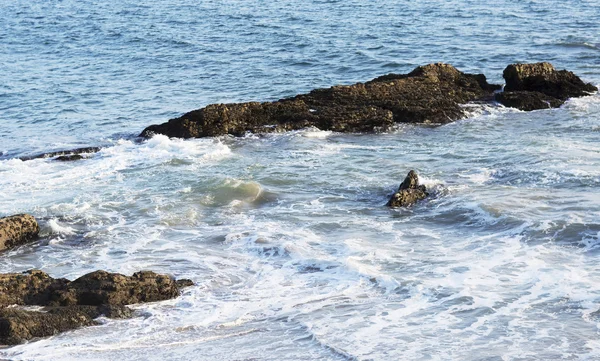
(69, 158)
(65, 155)
(17, 230)
(409, 192)
(70, 305)
(429, 94)
(540, 86)
(528, 100)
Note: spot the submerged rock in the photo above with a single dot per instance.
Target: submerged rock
(74, 304)
(69, 158)
(429, 94)
(540, 86)
(16, 230)
(64, 155)
(409, 192)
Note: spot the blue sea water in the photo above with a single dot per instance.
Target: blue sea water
(293, 253)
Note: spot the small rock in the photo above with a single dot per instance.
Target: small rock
(16, 230)
(409, 192)
(540, 86)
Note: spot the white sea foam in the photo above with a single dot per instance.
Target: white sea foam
(315, 133)
(56, 228)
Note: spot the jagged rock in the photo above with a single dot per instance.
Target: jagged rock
(429, 94)
(17, 326)
(409, 192)
(101, 287)
(74, 304)
(64, 155)
(16, 230)
(540, 86)
(33, 287)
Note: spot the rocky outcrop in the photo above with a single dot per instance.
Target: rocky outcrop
(429, 94)
(74, 304)
(409, 192)
(17, 326)
(16, 230)
(539, 86)
(65, 155)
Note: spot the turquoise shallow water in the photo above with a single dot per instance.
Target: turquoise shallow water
(294, 255)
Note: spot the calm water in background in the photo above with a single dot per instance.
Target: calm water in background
(286, 236)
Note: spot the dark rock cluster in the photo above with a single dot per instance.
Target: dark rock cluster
(67, 305)
(432, 93)
(72, 304)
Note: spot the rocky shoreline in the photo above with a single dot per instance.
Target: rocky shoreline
(430, 94)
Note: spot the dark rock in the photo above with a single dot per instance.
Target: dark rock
(547, 87)
(429, 94)
(101, 287)
(74, 304)
(19, 325)
(527, 101)
(68, 158)
(30, 288)
(65, 155)
(409, 192)
(16, 230)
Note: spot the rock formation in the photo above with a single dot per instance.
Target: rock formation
(64, 155)
(429, 94)
(409, 192)
(74, 304)
(540, 86)
(16, 230)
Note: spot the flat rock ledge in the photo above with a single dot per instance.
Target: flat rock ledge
(65, 155)
(72, 304)
(17, 230)
(429, 94)
(540, 86)
(409, 192)
(433, 93)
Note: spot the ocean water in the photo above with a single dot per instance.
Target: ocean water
(294, 255)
